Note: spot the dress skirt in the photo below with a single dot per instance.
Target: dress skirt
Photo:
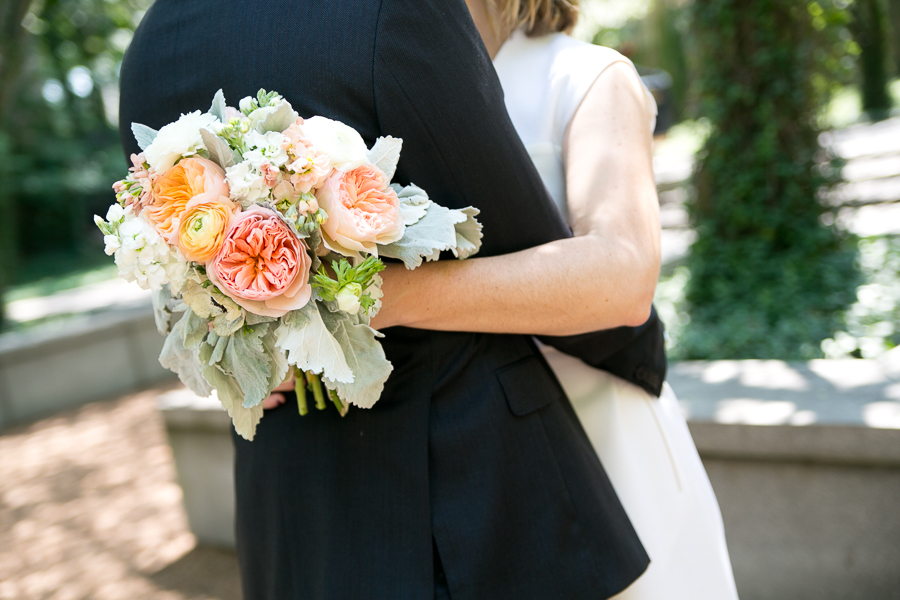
(646, 448)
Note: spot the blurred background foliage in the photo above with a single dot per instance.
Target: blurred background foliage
(770, 275)
(59, 150)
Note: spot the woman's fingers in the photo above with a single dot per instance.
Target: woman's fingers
(274, 401)
(285, 386)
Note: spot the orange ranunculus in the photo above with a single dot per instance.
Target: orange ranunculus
(203, 226)
(194, 178)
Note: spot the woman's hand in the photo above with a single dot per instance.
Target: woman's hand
(275, 399)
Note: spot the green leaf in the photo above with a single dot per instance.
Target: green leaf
(279, 120)
(218, 106)
(230, 395)
(426, 239)
(468, 234)
(414, 203)
(183, 361)
(219, 150)
(194, 329)
(309, 345)
(246, 360)
(385, 155)
(364, 355)
(162, 311)
(143, 135)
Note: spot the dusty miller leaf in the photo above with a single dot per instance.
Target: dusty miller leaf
(218, 107)
(162, 310)
(183, 361)
(246, 360)
(219, 150)
(364, 355)
(427, 238)
(143, 135)
(414, 203)
(468, 234)
(194, 330)
(303, 335)
(230, 395)
(279, 120)
(385, 155)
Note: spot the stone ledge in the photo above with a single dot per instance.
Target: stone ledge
(816, 444)
(64, 364)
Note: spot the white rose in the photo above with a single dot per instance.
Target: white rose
(181, 138)
(247, 186)
(341, 143)
(348, 298)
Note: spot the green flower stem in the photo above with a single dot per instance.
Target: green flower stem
(342, 408)
(300, 390)
(316, 387)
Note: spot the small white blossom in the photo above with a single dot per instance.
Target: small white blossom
(144, 257)
(266, 148)
(246, 183)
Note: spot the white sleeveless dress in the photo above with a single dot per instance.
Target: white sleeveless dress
(643, 442)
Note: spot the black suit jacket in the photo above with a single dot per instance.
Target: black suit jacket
(473, 453)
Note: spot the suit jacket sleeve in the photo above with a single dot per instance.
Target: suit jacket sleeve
(436, 88)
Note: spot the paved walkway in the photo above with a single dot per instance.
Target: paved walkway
(89, 509)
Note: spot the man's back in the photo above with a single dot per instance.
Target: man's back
(473, 450)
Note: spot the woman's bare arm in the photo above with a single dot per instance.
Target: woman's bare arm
(602, 278)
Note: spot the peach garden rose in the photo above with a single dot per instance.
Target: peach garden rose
(193, 179)
(262, 265)
(362, 210)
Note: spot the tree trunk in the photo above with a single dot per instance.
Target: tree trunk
(869, 29)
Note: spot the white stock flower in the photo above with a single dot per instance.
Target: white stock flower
(343, 144)
(348, 298)
(115, 213)
(181, 138)
(246, 184)
(144, 257)
(266, 148)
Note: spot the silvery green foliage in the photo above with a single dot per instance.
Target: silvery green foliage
(303, 335)
(385, 155)
(183, 360)
(434, 233)
(162, 308)
(363, 353)
(218, 107)
(468, 234)
(279, 120)
(229, 393)
(143, 135)
(219, 150)
(413, 202)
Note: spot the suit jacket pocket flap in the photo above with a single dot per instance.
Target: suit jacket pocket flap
(528, 385)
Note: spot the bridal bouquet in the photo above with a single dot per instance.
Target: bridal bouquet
(265, 231)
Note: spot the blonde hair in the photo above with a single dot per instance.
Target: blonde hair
(539, 17)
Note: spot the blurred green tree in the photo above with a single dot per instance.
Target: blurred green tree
(59, 148)
(771, 274)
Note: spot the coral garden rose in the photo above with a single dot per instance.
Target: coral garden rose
(362, 211)
(262, 265)
(203, 227)
(193, 179)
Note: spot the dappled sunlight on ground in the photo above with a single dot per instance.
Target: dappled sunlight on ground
(89, 508)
